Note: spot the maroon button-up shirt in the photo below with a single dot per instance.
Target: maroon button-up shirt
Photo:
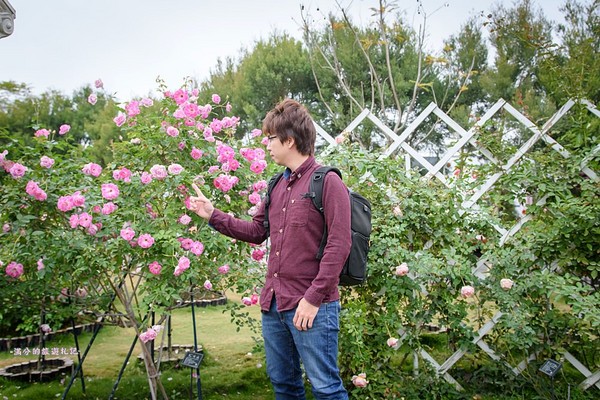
(296, 229)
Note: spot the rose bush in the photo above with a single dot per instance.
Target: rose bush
(422, 274)
(71, 226)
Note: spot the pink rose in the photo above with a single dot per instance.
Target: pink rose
(81, 292)
(196, 154)
(99, 84)
(402, 269)
(110, 191)
(109, 208)
(172, 131)
(146, 178)
(45, 328)
(175, 169)
(127, 233)
(78, 199)
(85, 220)
(207, 285)
(65, 203)
(183, 263)
(506, 283)
(35, 191)
(255, 133)
(216, 98)
(184, 219)
(254, 198)
(145, 241)
(46, 162)
(360, 380)
(40, 264)
(258, 166)
(74, 221)
(260, 185)
(155, 268)
(122, 174)
(180, 96)
(119, 119)
(467, 291)
(158, 171)
(92, 99)
(223, 269)
(186, 243)
(93, 229)
(197, 248)
(246, 301)
(132, 108)
(64, 128)
(147, 336)
(92, 169)
(14, 269)
(392, 342)
(17, 170)
(42, 132)
(254, 299)
(258, 254)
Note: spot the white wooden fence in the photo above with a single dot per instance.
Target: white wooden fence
(401, 143)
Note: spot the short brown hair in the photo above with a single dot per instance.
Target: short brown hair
(291, 119)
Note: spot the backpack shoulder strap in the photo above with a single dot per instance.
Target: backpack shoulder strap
(317, 182)
(316, 185)
(272, 182)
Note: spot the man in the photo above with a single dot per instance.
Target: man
(300, 299)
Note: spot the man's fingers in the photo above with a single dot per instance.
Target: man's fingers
(197, 189)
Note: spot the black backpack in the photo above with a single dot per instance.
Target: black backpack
(355, 268)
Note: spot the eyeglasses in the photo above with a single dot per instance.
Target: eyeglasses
(271, 137)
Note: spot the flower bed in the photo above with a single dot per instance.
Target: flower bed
(7, 344)
(28, 371)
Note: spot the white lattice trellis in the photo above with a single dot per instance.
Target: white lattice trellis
(470, 204)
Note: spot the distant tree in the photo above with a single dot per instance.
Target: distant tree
(22, 114)
(518, 36)
(570, 68)
(265, 74)
(464, 60)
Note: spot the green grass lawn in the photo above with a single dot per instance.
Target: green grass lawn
(229, 369)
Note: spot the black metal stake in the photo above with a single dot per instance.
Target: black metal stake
(82, 359)
(80, 369)
(112, 394)
(97, 327)
(198, 382)
(152, 347)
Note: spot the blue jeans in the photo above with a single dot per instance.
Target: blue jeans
(317, 348)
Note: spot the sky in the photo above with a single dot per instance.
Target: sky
(66, 44)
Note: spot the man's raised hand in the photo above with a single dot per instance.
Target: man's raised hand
(200, 204)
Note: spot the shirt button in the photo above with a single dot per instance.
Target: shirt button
(299, 175)
(293, 200)
(272, 289)
(275, 274)
(283, 209)
(277, 253)
(281, 231)
(289, 189)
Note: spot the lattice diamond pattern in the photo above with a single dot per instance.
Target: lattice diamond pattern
(469, 137)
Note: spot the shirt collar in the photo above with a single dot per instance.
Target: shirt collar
(301, 170)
